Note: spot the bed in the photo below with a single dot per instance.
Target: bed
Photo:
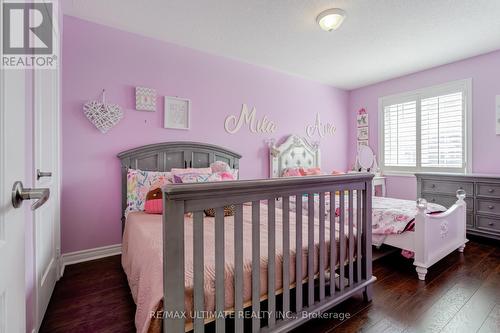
(427, 231)
(220, 268)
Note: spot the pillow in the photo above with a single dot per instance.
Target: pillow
(154, 202)
(191, 178)
(139, 183)
(220, 166)
(203, 178)
(221, 176)
(291, 172)
(310, 171)
(199, 171)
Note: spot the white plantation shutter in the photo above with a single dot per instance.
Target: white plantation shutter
(442, 130)
(400, 134)
(427, 129)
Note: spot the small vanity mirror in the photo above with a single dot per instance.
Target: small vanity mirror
(366, 159)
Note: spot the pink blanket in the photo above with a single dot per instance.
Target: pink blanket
(142, 259)
(389, 215)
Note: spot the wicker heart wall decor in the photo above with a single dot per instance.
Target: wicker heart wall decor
(103, 116)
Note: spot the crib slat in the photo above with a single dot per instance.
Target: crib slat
(173, 263)
(198, 271)
(321, 246)
(367, 234)
(298, 253)
(333, 243)
(310, 249)
(271, 268)
(238, 268)
(358, 234)
(255, 265)
(286, 254)
(219, 270)
(351, 239)
(342, 240)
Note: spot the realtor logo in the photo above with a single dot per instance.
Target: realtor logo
(28, 34)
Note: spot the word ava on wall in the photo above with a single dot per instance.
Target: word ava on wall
(320, 128)
(233, 124)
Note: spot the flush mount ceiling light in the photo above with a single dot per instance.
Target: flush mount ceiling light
(331, 19)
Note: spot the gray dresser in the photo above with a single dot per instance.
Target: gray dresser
(483, 198)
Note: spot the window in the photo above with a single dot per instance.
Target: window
(426, 130)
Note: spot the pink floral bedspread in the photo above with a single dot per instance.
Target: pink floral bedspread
(389, 216)
(395, 216)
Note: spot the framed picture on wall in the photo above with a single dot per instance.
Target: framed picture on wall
(362, 120)
(177, 113)
(362, 143)
(362, 133)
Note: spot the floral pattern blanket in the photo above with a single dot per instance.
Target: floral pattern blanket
(389, 215)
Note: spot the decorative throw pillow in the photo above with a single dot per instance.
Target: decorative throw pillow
(221, 176)
(139, 183)
(310, 171)
(154, 202)
(203, 178)
(191, 178)
(220, 166)
(228, 211)
(291, 172)
(199, 171)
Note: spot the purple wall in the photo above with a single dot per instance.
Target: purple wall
(97, 57)
(484, 71)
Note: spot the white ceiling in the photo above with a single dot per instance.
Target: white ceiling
(379, 40)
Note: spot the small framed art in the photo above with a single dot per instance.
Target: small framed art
(362, 120)
(177, 113)
(362, 133)
(145, 99)
(362, 143)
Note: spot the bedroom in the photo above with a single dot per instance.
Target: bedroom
(386, 121)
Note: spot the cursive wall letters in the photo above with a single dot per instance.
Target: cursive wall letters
(264, 125)
(322, 129)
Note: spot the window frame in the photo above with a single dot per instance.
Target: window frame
(464, 86)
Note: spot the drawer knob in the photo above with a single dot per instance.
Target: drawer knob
(491, 206)
(433, 185)
(491, 190)
(491, 224)
(460, 188)
(433, 199)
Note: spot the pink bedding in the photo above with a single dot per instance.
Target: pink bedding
(142, 250)
(142, 259)
(390, 216)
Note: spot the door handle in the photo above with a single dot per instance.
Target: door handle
(19, 194)
(40, 174)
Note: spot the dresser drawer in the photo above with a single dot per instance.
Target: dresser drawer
(488, 190)
(447, 200)
(488, 224)
(488, 206)
(438, 186)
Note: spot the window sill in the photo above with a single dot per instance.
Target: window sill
(398, 174)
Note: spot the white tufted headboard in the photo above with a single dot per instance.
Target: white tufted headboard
(294, 152)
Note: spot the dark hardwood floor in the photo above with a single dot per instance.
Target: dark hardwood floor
(461, 294)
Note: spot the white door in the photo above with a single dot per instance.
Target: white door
(46, 175)
(12, 221)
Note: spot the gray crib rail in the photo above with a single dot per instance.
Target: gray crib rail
(319, 287)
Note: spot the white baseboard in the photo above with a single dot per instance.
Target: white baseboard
(90, 254)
